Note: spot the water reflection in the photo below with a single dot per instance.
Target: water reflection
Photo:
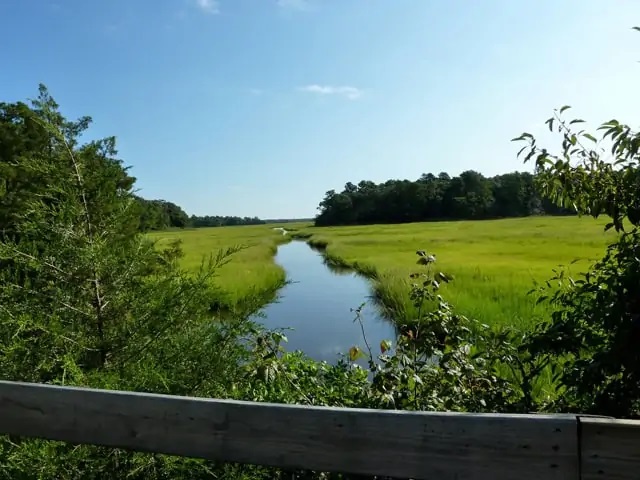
(336, 268)
(318, 305)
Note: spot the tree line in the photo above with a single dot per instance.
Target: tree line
(469, 196)
(161, 215)
(223, 221)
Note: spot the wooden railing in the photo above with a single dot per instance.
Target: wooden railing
(370, 442)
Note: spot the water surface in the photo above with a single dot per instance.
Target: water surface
(317, 306)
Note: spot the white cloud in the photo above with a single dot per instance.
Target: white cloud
(294, 4)
(352, 93)
(209, 6)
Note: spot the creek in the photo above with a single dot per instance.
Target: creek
(316, 306)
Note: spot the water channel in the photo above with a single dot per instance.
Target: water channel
(317, 306)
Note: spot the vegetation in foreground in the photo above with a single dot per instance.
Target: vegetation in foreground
(86, 299)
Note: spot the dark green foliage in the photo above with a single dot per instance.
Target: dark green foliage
(78, 280)
(160, 215)
(288, 220)
(595, 328)
(468, 196)
(85, 299)
(218, 221)
(19, 136)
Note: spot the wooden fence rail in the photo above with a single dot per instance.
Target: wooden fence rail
(417, 445)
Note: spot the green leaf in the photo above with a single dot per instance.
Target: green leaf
(541, 299)
(522, 137)
(550, 123)
(444, 277)
(633, 214)
(590, 137)
(566, 107)
(577, 120)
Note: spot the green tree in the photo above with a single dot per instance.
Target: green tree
(221, 221)
(467, 196)
(80, 273)
(595, 328)
(160, 215)
(20, 135)
(515, 195)
(85, 299)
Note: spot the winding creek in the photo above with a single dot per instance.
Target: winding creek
(317, 305)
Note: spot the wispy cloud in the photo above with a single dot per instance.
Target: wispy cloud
(294, 4)
(352, 93)
(112, 28)
(209, 6)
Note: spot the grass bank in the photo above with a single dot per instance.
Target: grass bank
(251, 278)
(495, 262)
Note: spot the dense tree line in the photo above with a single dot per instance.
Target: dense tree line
(467, 196)
(223, 221)
(160, 215)
(288, 220)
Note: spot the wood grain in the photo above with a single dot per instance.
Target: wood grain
(371, 442)
(610, 448)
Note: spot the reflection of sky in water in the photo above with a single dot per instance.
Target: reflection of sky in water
(317, 305)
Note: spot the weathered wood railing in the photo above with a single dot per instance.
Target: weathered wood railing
(375, 442)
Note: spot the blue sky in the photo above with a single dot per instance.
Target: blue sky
(258, 107)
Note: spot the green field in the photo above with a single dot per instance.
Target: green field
(251, 274)
(494, 263)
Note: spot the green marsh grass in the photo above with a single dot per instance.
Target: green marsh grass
(251, 276)
(494, 262)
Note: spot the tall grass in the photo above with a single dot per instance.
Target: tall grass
(494, 263)
(251, 278)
